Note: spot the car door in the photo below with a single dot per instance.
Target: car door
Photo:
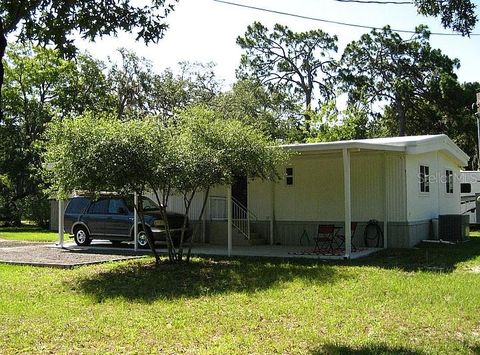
(96, 216)
(119, 219)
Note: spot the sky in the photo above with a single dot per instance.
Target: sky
(206, 31)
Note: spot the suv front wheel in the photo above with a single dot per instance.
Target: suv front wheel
(81, 236)
(142, 239)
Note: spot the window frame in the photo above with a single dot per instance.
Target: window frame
(424, 179)
(449, 182)
(290, 176)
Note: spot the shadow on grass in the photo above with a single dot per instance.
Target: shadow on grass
(365, 350)
(425, 257)
(137, 281)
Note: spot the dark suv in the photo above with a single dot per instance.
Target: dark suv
(111, 218)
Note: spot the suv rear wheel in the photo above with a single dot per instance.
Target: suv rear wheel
(81, 236)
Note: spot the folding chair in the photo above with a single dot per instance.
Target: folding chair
(325, 238)
(341, 237)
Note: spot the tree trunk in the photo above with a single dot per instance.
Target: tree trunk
(402, 124)
(194, 229)
(3, 47)
(151, 242)
(308, 112)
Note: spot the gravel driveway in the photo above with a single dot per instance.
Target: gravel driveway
(47, 254)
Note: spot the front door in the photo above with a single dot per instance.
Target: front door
(239, 190)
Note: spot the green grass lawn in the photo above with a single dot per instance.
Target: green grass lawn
(420, 301)
(28, 233)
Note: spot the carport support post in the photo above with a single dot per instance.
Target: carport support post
(60, 222)
(385, 201)
(348, 202)
(229, 219)
(135, 221)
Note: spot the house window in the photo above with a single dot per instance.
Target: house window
(449, 181)
(289, 176)
(218, 208)
(424, 178)
(465, 188)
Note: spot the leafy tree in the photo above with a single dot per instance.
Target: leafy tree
(130, 82)
(138, 90)
(269, 111)
(331, 125)
(383, 68)
(100, 153)
(194, 84)
(300, 61)
(459, 15)
(40, 85)
(55, 22)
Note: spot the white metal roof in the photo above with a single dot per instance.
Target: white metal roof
(407, 144)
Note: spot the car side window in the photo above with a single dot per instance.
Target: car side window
(99, 207)
(77, 205)
(117, 206)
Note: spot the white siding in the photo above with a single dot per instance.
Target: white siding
(368, 186)
(424, 206)
(260, 198)
(396, 187)
(317, 192)
(449, 203)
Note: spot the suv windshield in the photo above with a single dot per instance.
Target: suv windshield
(148, 205)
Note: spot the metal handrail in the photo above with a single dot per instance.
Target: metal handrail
(241, 216)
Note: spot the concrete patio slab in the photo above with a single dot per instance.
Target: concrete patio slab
(265, 251)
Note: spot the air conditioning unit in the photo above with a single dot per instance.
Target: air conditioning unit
(453, 227)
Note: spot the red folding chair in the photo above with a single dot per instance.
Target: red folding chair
(325, 238)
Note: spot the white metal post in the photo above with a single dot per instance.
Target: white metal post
(348, 207)
(60, 223)
(204, 220)
(135, 221)
(385, 201)
(478, 139)
(478, 129)
(272, 215)
(229, 216)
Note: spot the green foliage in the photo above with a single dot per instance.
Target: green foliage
(330, 125)
(458, 15)
(301, 62)
(138, 90)
(54, 21)
(231, 147)
(383, 68)
(39, 86)
(100, 153)
(270, 111)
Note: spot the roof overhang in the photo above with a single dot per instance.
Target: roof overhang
(408, 145)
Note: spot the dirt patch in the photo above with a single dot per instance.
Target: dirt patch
(475, 269)
(47, 254)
